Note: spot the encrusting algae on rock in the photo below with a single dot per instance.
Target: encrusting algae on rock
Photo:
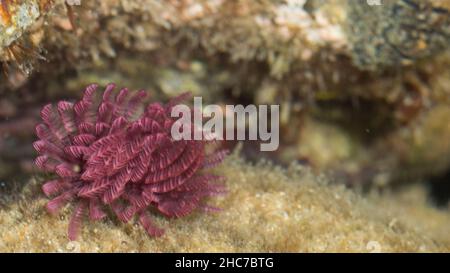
(397, 32)
(16, 18)
(267, 208)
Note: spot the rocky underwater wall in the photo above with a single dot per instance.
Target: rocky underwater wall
(364, 103)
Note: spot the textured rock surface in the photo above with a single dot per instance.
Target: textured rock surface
(15, 19)
(397, 31)
(295, 53)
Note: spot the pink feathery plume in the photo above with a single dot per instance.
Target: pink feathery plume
(108, 151)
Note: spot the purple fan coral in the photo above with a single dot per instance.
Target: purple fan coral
(109, 151)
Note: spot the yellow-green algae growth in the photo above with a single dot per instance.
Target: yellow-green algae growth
(267, 209)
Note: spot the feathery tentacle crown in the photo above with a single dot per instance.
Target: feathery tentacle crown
(109, 152)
